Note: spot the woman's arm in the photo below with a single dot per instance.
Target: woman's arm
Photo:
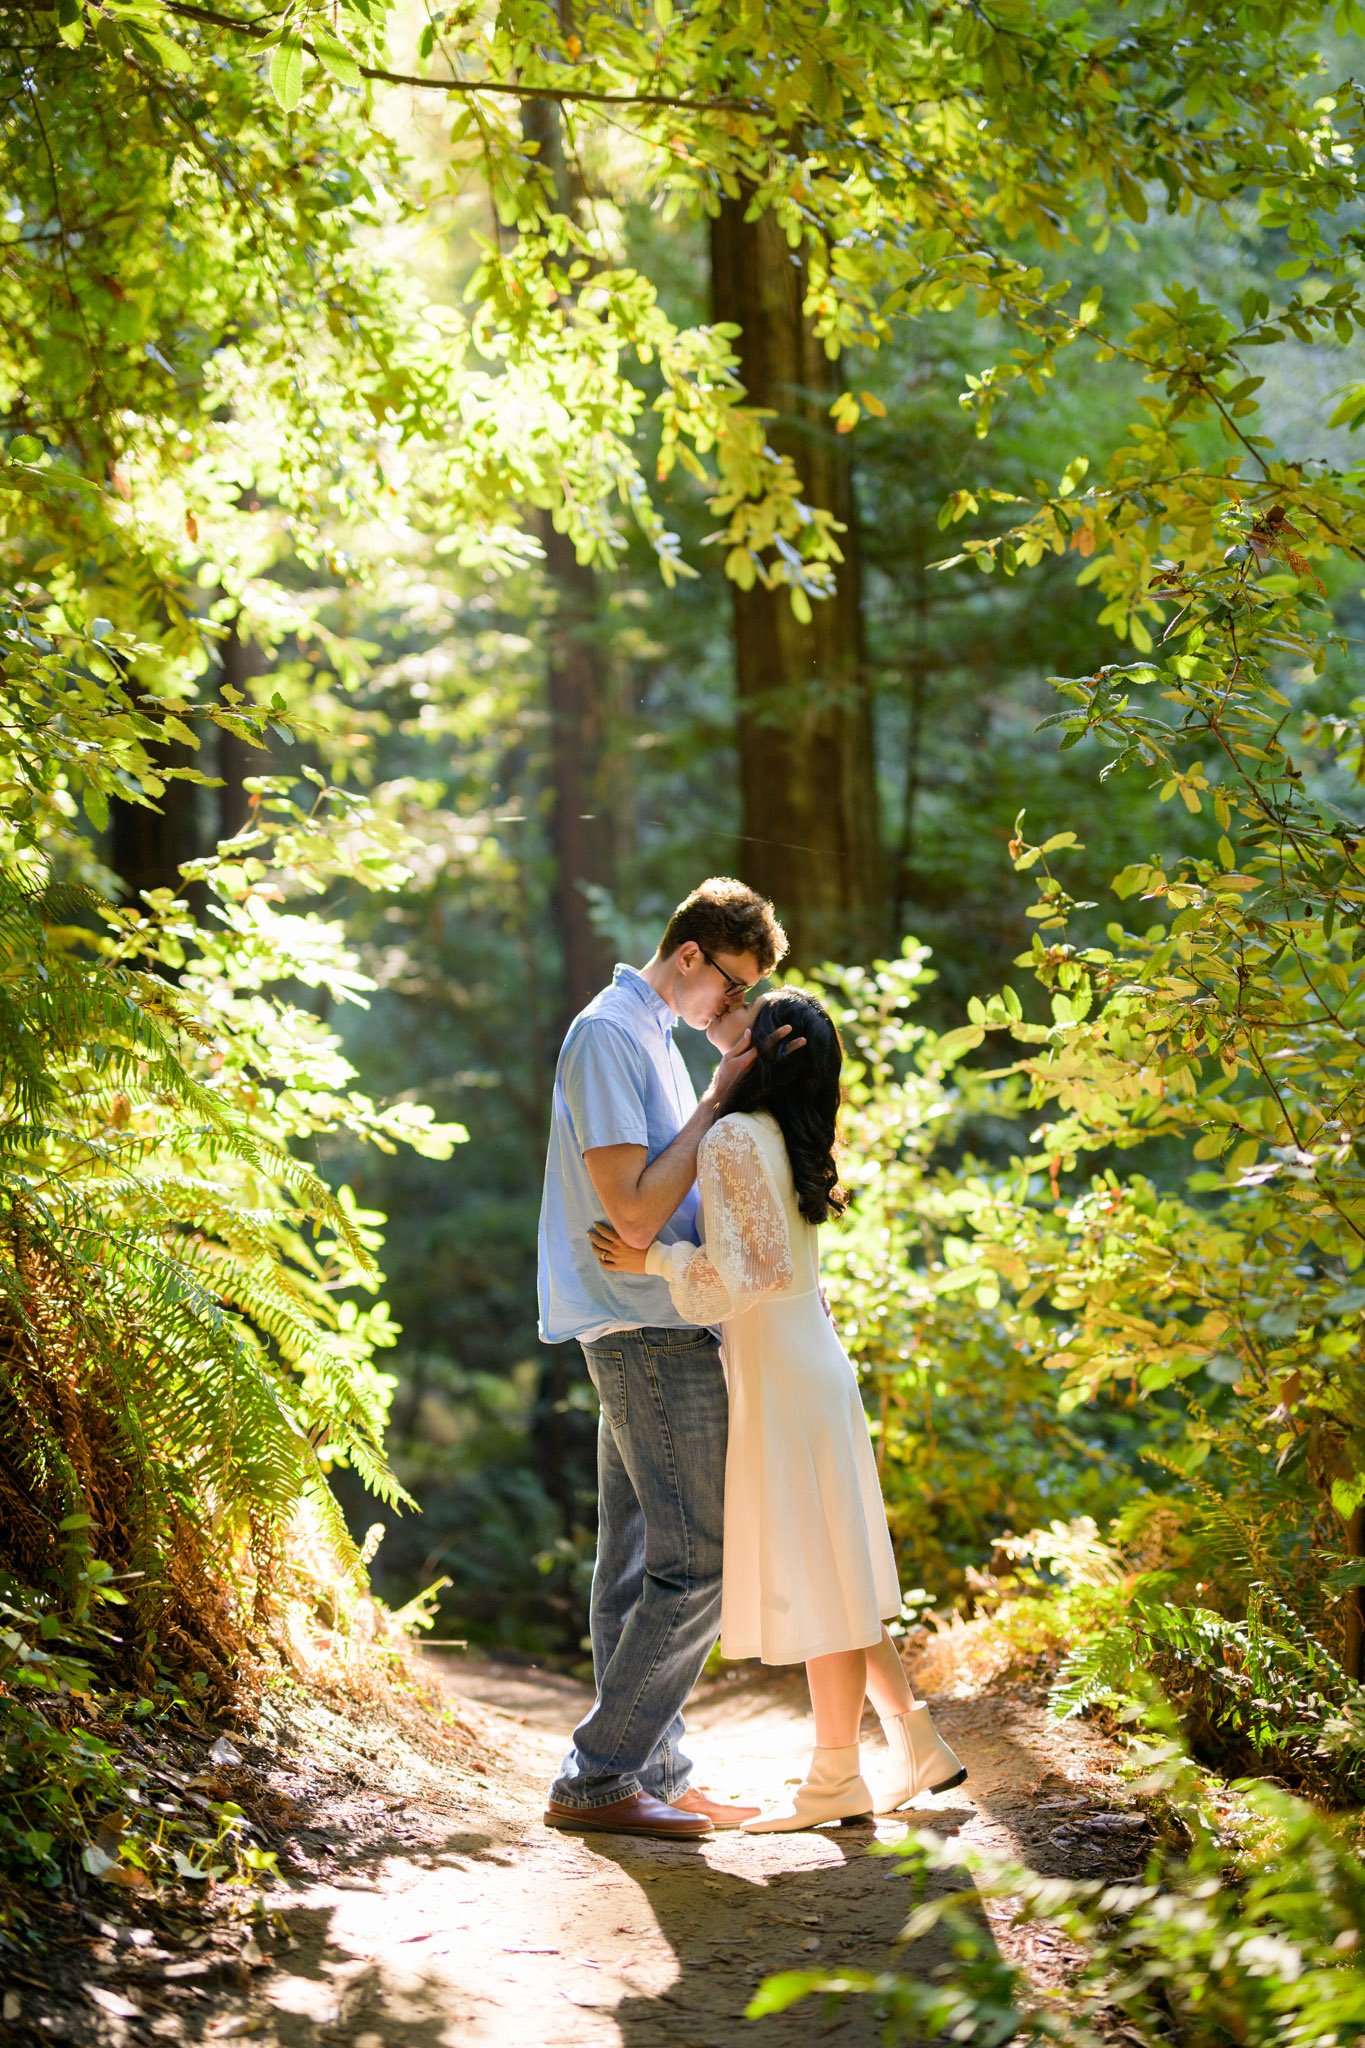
(746, 1253)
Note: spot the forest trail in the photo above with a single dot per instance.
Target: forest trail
(428, 1905)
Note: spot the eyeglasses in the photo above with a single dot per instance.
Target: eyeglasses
(732, 987)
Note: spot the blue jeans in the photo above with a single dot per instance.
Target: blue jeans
(656, 1585)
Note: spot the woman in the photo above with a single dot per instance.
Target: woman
(809, 1575)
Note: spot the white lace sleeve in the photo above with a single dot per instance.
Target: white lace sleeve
(746, 1252)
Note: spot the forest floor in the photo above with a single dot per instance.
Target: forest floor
(421, 1900)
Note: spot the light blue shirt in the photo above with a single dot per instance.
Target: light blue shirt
(620, 1081)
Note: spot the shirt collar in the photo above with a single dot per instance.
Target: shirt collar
(632, 979)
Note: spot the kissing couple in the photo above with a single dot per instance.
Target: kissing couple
(755, 1513)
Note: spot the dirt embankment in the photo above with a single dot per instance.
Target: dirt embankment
(421, 1901)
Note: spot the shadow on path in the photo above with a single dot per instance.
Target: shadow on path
(729, 1927)
(474, 1924)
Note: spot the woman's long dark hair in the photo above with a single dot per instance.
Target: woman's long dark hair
(801, 1091)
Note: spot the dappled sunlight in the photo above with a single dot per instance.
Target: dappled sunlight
(500, 1928)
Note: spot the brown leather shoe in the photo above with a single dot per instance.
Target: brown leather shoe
(640, 1815)
(696, 1799)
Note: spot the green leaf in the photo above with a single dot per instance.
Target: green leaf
(170, 54)
(1347, 1494)
(336, 58)
(777, 1994)
(954, 1043)
(154, 49)
(1350, 409)
(286, 73)
(1131, 196)
(96, 806)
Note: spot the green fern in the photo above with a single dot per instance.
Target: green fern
(175, 1359)
(1262, 1679)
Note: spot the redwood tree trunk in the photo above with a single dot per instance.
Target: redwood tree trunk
(147, 847)
(807, 764)
(239, 662)
(576, 692)
(1353, 1658)
(580, 819)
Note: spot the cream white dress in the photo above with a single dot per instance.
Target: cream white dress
(808, 1562)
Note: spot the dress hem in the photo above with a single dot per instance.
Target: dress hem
(828, 1649)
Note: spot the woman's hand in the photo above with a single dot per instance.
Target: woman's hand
(735, 1062)
(613, 1251)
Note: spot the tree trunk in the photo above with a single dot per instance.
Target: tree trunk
(576, 695)
(238, 662)
(146, 846)
(1353, 1657)
(577, 687)
(807, 763)
(580, 819)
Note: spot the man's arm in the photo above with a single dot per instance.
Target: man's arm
(639, 1194)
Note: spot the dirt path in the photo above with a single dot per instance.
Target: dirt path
(422, 1902)
(461, 1919)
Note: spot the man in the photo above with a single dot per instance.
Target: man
(623, 1143)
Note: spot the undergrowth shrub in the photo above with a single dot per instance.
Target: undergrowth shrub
(1249, 1937)
(186, 1344)
(962, 1403)
(1256, 1689)
(1260, 1686)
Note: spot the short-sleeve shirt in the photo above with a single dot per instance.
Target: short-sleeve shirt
(620, 1081)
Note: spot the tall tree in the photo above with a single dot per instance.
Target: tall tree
(580, 818)
(807, 761)
(576, 684)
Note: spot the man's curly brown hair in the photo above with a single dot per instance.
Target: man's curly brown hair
(725, 916)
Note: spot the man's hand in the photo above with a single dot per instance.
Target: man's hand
(613, 1251)
(639, 1194)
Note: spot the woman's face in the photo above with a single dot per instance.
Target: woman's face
(726, 1030)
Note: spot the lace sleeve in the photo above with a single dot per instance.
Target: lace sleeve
(745, 1253)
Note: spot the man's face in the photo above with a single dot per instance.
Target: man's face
(711, 984)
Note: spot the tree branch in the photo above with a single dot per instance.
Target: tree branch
(561, 93)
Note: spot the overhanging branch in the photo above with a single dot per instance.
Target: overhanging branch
(561, 93)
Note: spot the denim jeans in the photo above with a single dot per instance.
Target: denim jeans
(656, 1585)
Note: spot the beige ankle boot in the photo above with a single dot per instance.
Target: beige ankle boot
(834, 1790)
(921, 1760)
